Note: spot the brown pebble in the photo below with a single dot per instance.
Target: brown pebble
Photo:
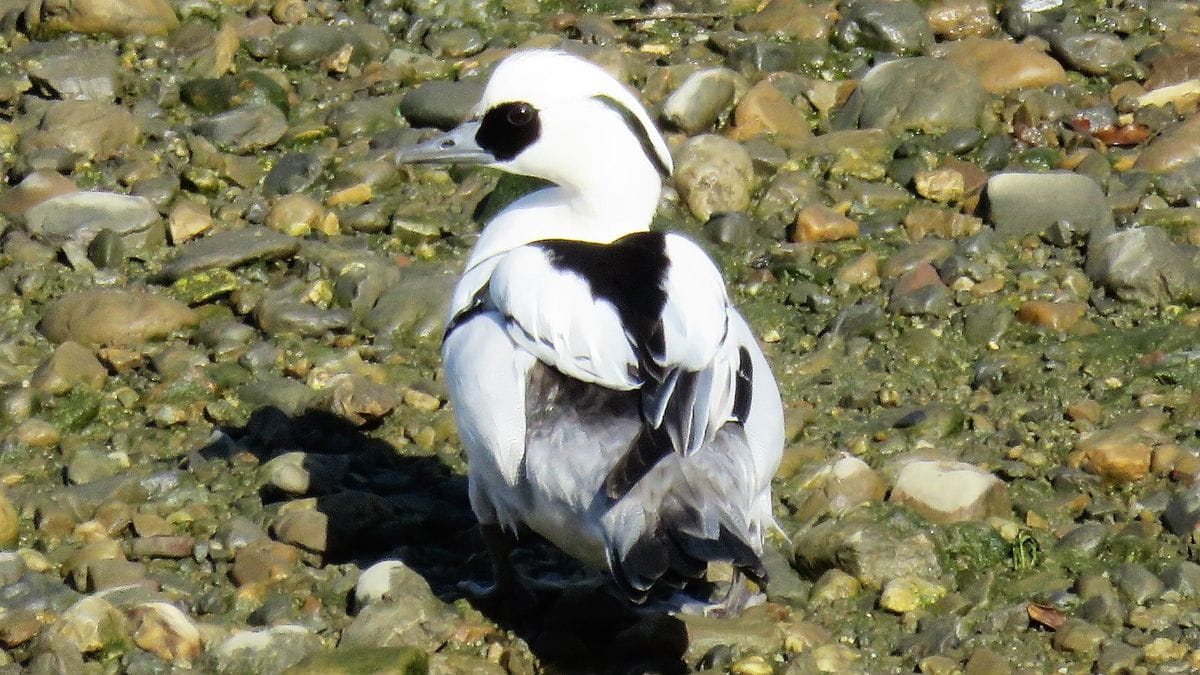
(818, 222)
(1117, 455)
(162, 546)
(1059, 316)
(1086, 410)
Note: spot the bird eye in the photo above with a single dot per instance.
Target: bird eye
(520, 114)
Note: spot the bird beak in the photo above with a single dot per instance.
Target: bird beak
(456, 146)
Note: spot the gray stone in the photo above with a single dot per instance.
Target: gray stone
(90, 129)
(697, 104)
(455, 43)
(361, 118)
(388, 580)
(94, 17)
(441, 104)
(294, 172)
(114, 317)
(72, 365)
(280, 312)
(873, 552)
(87, 626)
(1137, 582)
(714, 174)
(230, 249)
(1143, 265)
(1184, 578)
(1021, 204)
(288, 395)
(271, 650)
(74, 219)
(415, 305)
(914, 94)
(1092, 53)
(883, 25)
(411, 619)
(83, 72)
(253, 126)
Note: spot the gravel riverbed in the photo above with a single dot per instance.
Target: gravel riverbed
(967, 232)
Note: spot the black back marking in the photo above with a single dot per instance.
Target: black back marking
(628, 273)
(508, 128)
(743, 392)
(638, 130)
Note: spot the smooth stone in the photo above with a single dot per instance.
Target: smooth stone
(1178, 146)
(87, 72)
(188, 220)
(359, 401)
(81, 216)
(908, 593)
(279, 313)
(386, 581)
(171, 546)
(1021, 204)
(363, 118)
(961, 19)
(1002, 66)
(1078, 636)
(415, 619)
(1137, 583)
(391, 661)
(1120, 455)
(915, 94)
(833, 585)
(300, 473)
(263, 561)
(699, 102)
(34, 189)
(1143, 265)
(1091, 53)
(950, 492)
(286, 394)
(819, 223)
(306, 528)
(269, 650)
(795, 18)
(229, 249)
(249, 127)
(71, 365)
(1058, 316)
(872, 552)
(840, 486)
(114, 317)
(167, 632)
(293, 172)
(414, 305)
(441, 104)
(714, 174)
(94, 17)
(107, 574)
(897, 27)
(1184, 578)
(455, 43)
(295, 215)
(86, 627)
(766, 110)
(94, 130)
(10, 524)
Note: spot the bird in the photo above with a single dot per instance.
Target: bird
(608, 395)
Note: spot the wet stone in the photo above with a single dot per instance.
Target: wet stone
(1026, 203)
(441, 104)
(10, 529)
(918, 94)
(697, 104)
(1078, 636)
(1177, 147)
(72, 365)
(188, 220)
(165, 631)
(794, 18)
(270, 650)
(1091, 53)
(1137, 583)
(295, 172)
(34, 189)
(874, 553)
(391, 660)
(90, 129)
(1119, 456)
(229, 249)
(896, 27)
(1143, 265)
(832, 585)
(81, 216)
(1057, 316)
(766, 110)
(1003, 66)
(90, 465)
(114, 317)
(818, 223)
(1184, 578)
(81, 72)
(906, 594)
(253, 126)
(87, 626)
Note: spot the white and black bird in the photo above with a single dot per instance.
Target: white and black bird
(608, 395)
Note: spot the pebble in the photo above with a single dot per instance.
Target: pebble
(388, 580)
(114, 317)
(81, 216)
(702, 98)
(10, 522)
(819, 223)
(440, 103)
(915, 94)
(1003, 66)
(228, 249)
(94, 130)
(1173, 149)
(1021, 204)
(1117, 455)
(872, 552)
(295, 215)
(950, 492)
(766, 110)
(293, 172)
(794, 18)
(86, 627)
(116, 17)
(189, 219)
(905, 594)
(391, 660)
(269, 650)
(167, 632)
(961, 20)
(832, 585)
(1057, 316)
(1091, 53)
(36, 433)
(72, 365)
(895, 27)
(714, 174)
(263, 561)
(244, 129)
(1143, 265)
(306, 528)
(78, 72)
(1137, 583)
(34, 189)
(1078, 636)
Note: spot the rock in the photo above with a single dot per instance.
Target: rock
(187, 221)
(80, 72)
(117, 17)
(441, 104)
(34, 189)
(229, 249)
(174, 546)
(386, 581)
(1120, 456)
(1002, 66)
(294, 172)
(279, 313)
(263, 561)
(1176, 147)
(833, 585)
(961, 20)
(881, 25)
(697, 104)
(71, 365)
(1077, 636)
(1143, 265)
(950, 492)
(295, 215)
(10, 522)
(1091, 53)
(249, 127)
(872, 552)
(1137, 583)
(95, 130)
(714, 174)
(87, 626)
(420, 620)
(36, 433)
(74, 220)
(359, 400)
(765, 110)
(905, 594)
(1059, 316)
(794, 18)
(299, 473)
(915, 94)
(114, 317)
(270, 650)
(818, 222)
(1021, 204)
(165, 631)
(383, 660)
(840, 486)
(1184, 578)
(940, 185)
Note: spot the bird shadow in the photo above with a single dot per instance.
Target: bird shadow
(380, 504)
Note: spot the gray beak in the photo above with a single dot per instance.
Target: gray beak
(456, 146)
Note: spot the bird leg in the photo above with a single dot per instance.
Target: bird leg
(737, 598)
(508, 595)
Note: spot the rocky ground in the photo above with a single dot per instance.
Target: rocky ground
(966, 231)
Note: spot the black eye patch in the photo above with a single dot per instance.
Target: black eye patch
(508, 128)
